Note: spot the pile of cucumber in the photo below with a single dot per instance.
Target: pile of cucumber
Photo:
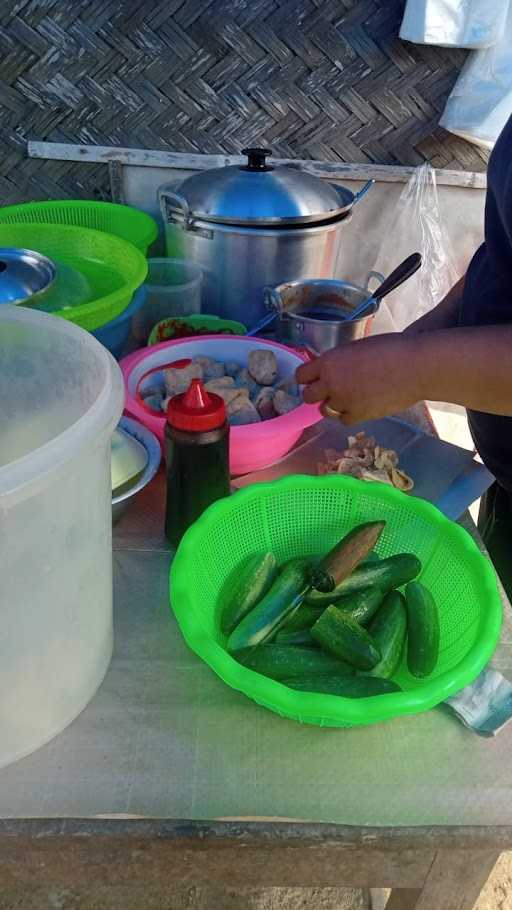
(286, 624)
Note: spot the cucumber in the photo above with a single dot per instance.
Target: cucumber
(265, 618)
(302, 618)
(245, 587)
(287, 661)
(347, 686)
(388, 629)
(346, 555)
(372, 557)
(423, 629)
(338, 633)
(386, 574)
(361, 605)
(297, 637)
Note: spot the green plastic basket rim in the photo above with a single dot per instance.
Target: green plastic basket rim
(86, 314)
(333, 709)
(147, 221)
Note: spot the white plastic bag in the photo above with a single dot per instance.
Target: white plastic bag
(455, 23)
(415, 225)
(481, 100)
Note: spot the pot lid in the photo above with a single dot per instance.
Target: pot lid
(23, 274)
(259, 193)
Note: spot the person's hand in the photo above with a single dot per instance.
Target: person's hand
(366, 379)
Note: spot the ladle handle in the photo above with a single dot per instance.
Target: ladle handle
(362, 192)
(262, 324)
(273, 304)
(402, 272)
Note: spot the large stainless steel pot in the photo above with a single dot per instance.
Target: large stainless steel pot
(250, 226)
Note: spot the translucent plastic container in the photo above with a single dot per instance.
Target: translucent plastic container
(61, 395)
(174, 289)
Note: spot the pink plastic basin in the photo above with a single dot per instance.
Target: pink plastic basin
(252, 447)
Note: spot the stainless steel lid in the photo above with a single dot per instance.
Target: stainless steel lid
(23, 274)
(258, 193)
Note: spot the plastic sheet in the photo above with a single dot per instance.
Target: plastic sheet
(415, 224)
(481, 101)
(166, 738)
(455, 23)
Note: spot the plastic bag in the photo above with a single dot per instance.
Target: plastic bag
(455, 23)
(415, 224)
(481, 100)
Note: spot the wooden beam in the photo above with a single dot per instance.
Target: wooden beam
(334, 170)
(115, 171)
(253, 833)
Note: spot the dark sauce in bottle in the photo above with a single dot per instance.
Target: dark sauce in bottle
(197, 457)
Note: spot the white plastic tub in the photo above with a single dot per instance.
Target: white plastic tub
(61, 395)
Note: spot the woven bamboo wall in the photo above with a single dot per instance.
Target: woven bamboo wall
(323, 79)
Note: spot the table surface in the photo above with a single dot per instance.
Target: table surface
(164, 737)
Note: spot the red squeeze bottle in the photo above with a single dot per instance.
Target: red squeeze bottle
(197, 455)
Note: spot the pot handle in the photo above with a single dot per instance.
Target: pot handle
(180, 202)
(377, 276)
(262, 324)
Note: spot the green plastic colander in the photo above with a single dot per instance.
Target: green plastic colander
(121, 220)
(113, 267)
(298, 516)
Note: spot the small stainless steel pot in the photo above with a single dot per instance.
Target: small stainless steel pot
(315, 313)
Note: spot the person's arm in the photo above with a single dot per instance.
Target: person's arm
(444, 316)
(379, 376)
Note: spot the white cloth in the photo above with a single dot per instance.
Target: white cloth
(480, 102)
(455, 23)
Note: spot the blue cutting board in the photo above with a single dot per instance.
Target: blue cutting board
(444, 474)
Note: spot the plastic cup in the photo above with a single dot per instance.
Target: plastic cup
(173, 289)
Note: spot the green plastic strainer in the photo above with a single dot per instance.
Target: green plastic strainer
(112, 267)
(122, 220)
(300, 515)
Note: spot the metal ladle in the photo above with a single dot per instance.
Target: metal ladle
(397, 277)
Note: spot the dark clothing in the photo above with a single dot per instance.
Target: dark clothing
(487, 299)
(495, 526)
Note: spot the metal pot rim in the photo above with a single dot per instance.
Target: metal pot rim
(260, 227)
(294, 315)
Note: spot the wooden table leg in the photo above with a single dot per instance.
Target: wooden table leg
(454, 882)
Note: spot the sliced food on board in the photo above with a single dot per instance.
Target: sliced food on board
(365, 459)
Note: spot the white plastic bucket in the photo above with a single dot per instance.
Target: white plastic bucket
(61, 395)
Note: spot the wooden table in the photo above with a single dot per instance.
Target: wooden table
(169, 779)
